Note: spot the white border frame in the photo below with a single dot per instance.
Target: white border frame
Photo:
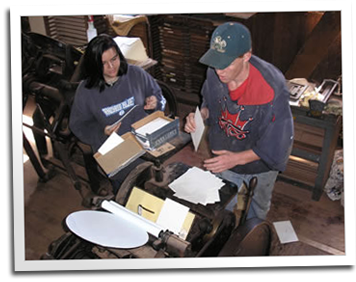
(135, 7)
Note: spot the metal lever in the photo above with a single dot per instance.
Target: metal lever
(251, 187)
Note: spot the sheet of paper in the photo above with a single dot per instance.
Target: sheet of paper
(197, 186)
(199, 129)
(110, 143)
(285, 231)
(134, 218)
(172, 216)
(152, 126)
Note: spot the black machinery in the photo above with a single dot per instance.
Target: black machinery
(51, 71)
(215, 231)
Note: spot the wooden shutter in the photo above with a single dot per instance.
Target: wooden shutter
(73, 29)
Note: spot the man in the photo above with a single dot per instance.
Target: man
(246, 106)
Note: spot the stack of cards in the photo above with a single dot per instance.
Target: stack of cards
(197, 186)
(199, 129)
(285, 231)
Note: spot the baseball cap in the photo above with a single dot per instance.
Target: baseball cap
(228, 42)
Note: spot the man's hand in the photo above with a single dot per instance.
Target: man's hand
(223, 161)
(190, 120)
(226, 160)
(190, 123)
(150, 103)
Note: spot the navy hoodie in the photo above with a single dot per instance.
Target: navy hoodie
(267, 128)
(92, 110)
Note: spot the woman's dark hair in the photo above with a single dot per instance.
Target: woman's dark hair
(92, 61)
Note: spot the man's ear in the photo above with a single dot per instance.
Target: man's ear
(247, 56)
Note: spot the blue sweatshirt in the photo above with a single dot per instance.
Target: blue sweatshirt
(265, 128)
(92, 110)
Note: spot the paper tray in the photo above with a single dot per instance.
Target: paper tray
(160, 136)
(121, 156)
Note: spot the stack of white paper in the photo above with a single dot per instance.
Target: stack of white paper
(172, 216)
(111, 142)
(152, 126)
(197, 186)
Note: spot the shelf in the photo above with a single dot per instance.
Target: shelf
(313, 150)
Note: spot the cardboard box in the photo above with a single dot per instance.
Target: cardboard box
(120, 156)
(153, 140)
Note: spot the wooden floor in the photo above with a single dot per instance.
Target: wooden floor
(319, 225)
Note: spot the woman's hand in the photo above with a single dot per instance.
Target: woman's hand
(150, 103)
(110, 129)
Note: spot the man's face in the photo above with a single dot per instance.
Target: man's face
(111, 64)
(233, 71)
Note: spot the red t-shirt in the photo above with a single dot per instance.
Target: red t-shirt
(254, 90)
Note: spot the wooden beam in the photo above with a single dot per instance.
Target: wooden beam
(316, 46)
(321, 246)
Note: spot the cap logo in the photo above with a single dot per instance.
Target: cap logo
(218, 44)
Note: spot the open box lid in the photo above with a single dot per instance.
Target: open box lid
(149, 118)
(121, 155)
(155, 130)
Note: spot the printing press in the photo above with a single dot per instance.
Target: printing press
(210, 230)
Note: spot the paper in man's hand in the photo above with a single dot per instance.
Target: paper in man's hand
(199, 129)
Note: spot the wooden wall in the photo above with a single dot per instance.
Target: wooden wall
(277, 37)
(300, 44)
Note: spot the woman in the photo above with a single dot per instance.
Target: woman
(111, 87)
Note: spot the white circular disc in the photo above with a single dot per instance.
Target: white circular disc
(106, 229)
